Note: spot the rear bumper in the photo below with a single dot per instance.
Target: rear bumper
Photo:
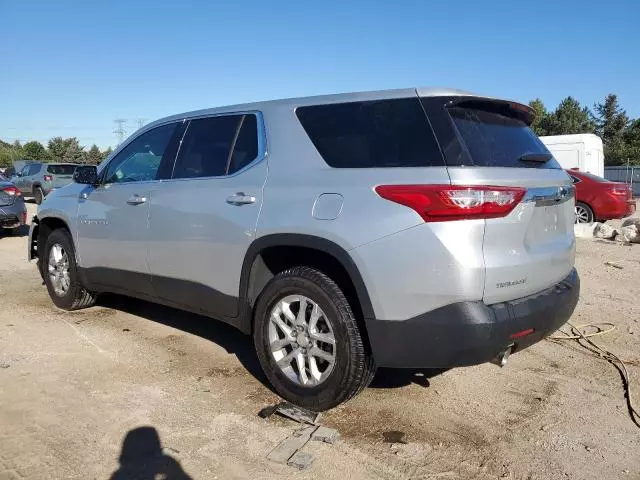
(469, 333)
(13, 216)
(615, 209)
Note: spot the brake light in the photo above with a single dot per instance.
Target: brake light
(441, 203)
(621, 190)
(13, 191)
(48, 178)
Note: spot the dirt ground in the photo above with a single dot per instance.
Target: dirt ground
(72, 386)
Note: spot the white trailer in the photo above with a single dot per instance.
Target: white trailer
(583, 151)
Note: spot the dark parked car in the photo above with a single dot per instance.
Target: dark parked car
(598, 199)
(13, 213)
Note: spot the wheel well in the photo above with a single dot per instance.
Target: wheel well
(586, 204)
(44, 229)
(274, 259)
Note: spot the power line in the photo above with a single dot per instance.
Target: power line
(120, 130)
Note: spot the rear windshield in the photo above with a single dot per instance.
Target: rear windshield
(595, 178)
(497, 137)
(371, 134)
(61, 169)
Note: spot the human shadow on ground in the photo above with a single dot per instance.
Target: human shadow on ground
(142, 458)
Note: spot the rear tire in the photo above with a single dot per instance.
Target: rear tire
(38, 195)
(584, 214)
(351, 369)
(60, 273)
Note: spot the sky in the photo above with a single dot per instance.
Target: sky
(70, 68)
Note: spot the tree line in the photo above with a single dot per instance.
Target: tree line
(58, 149)
(620, 135)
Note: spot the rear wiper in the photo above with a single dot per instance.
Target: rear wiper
(535, 157)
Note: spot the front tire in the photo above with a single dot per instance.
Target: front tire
(584, 214)
(308, 341)
(59, 270)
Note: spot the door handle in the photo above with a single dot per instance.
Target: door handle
(136, 199)
(240, 199)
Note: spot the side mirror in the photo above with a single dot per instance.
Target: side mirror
(18, 174)
(86, 175)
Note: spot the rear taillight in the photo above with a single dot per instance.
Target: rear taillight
(13, 191)
(440, 203)
(48, 178)
(622, 190)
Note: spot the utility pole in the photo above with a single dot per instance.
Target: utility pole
(140, 123)
(120, 130)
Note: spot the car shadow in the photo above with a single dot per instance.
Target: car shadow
(142, 457)
(241, 345)
(21, 231)
(228, 337)
(401, 377)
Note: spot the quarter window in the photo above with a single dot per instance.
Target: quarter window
(140, 160)
(372, 134)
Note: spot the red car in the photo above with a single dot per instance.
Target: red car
(598, 199)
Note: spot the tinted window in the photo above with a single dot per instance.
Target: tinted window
(594, 178)
(32, 169)
(387, 133)
(496, 136)
(217, 146)
(206, 146)
(139, 160)
(245, 150)
(61, 169)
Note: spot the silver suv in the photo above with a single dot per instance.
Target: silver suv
(38, 179)
(405, 228)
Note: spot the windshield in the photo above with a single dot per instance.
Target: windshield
(497, 137)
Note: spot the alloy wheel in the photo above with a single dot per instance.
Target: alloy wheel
(582, 215)
(301, 340)
(58, 267)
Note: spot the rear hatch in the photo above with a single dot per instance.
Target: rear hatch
(59, 175)
(488, 142)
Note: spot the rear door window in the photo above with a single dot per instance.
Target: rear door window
(496, 135)
(245, 149)
(372, 134)
(217, 146)
(32, 169)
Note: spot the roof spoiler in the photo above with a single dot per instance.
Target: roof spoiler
(506, 107)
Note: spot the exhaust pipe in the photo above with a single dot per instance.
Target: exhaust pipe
(502, 358)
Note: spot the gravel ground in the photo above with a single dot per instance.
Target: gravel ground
(73, 385)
